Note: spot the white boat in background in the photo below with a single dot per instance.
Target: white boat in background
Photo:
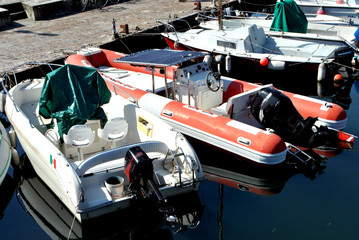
(287, 21)
(256, 57)
(347, 10)
(5, 152)
(96, 166)
(315, 30)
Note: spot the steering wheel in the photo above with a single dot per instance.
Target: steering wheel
(213, 81)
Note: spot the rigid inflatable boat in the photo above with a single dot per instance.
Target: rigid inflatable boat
(254, 122)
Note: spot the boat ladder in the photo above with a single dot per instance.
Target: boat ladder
(299, 154)
(175, 155)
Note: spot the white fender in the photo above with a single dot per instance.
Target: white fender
(276, 65)
(15, 160)
(2, 101)
(12, 135)
(321, 71)
(228, 63)
(208, 59)
(219, 58)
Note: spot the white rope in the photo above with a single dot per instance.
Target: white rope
(72, 225)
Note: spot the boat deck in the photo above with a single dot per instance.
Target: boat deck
(136, 80)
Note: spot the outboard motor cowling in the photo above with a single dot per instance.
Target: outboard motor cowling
(272, 109)
(139, 172)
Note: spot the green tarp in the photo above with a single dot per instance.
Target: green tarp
(73, 94)
(288, 17)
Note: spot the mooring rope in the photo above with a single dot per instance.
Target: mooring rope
(72, 225)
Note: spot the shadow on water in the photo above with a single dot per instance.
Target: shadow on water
(7, 190)
(142, 220)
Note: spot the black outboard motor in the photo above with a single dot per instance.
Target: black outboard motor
(274, 110)
(139, 171)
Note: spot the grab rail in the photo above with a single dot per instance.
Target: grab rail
(6, 78)
(170, 24)
(110, 81)
(179, 152)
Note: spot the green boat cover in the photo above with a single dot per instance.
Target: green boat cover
(288, 17)
(73, 94)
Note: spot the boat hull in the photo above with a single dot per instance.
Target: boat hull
(5, 150)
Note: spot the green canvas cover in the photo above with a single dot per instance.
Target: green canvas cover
(288, 17)
(73, 94)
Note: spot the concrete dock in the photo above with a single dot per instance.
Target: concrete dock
(27, 40)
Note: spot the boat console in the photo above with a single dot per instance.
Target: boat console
(196, 84)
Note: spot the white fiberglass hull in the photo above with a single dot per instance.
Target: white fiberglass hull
(5, 153)
(80, 185)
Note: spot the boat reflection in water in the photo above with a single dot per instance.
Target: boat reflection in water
(7, 190)
(143, 220)
(264, 180)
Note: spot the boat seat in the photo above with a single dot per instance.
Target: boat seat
(239, 101)
(114, 130)
(79, 136)
(257, 38)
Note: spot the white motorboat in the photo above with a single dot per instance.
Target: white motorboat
(92, 167)
(348, 10)
(289, 21)
(5, 150)
(249, 54)
(315, 30)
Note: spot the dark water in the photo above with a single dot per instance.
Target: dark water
(317, 202)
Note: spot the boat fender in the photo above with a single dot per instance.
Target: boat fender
(338, 80)
(321, 11)
(219, 58)
(208, 59)
(321, 71)
(228, 61)
(264, 61)
(276, 65)
(355, 62)
(15, 160)
(12, 135)
(2, 101)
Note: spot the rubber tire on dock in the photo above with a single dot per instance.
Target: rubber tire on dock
(101, 3)
(84, 4)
